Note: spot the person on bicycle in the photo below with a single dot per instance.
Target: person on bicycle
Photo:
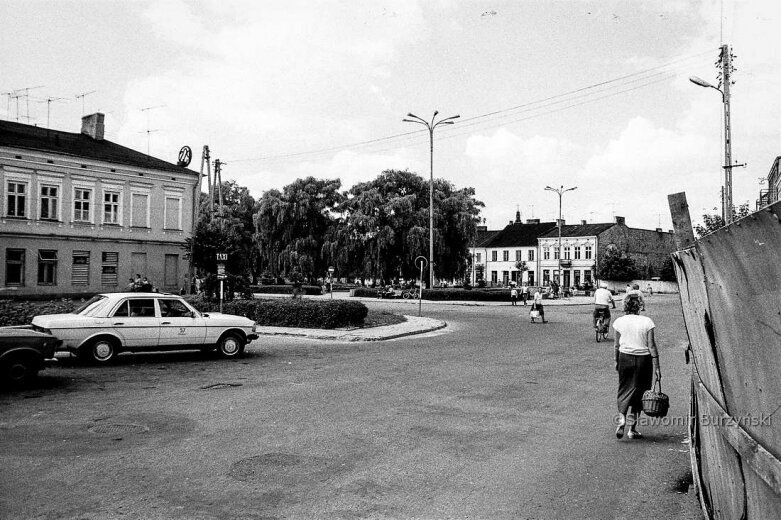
(603, 298)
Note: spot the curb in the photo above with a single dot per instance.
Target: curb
(413, 325)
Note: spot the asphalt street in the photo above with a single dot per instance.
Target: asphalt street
(491, 417)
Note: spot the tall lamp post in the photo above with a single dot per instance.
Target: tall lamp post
(726, 204)
(431, 126)
(560, 191)
(331, 281)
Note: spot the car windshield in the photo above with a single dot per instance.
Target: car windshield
(91, 306)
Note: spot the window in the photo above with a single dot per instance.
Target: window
(518, 256)
(478, 257)
(567, 253)
(531, 277)
(142, 308)
(82, 208)
(80, 268)
(493, 276)
(111, 207)
(174, 309)
(587, 276)
(505, 277)
(493, 256)
(170, 270)
(47, 267)
(17, 199)
(530, 255)
(545, 275)
(139, 210)
(588, 252)
(546, 253)
(556, 254)
(14, 267)
(577, 277)
(49, 202)
(505, 256)
(173, 212)
(108, 269)
(577, 253)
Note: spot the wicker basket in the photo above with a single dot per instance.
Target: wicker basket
(655, 403)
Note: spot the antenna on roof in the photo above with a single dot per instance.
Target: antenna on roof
(148, 130)
(18, 93)
(82, 96)
(48, 102)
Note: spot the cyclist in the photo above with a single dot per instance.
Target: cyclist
(603, 298)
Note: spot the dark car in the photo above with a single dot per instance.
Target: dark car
(22, 354)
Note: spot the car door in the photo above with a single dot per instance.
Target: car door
(180, 324)
(136, 323)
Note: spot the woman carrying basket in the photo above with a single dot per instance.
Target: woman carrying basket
(637, 363)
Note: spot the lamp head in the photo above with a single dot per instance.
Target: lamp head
(701, 82)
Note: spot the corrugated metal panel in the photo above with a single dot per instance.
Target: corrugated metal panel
(80, 268)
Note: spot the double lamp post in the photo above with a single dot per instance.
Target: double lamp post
(412, 118)
(560, 191)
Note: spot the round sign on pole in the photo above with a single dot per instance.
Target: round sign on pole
(421, 262)
(185, 156)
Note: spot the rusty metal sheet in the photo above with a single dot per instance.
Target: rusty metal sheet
(742, 264)
(720, 467)
(696, 314)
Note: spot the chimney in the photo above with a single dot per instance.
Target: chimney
(92, 125)
(532, 221)
(518, 217)
(620, 221)
(582, 222)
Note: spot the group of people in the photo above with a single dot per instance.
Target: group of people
(515, 292)
(636, 355)
(139, 284)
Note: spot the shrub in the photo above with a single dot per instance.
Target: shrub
(286, 289)
(21, 312)
(366, 292)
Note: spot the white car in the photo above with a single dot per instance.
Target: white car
(114, 322)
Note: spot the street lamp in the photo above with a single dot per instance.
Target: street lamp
(431, 126)
(331, 281)
(726, 204)
(560, 191)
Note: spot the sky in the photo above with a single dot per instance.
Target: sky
(593, 95)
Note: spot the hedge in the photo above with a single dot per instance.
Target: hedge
(494, 295)
(286, 289)
(22, 312)
(282, 312)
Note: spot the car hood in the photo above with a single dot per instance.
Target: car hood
(21, 332)
(47, 321)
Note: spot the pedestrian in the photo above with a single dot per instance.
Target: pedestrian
(525, 293)
(637, 364)
(146, 285)
(514, 295)
(137, 283)
(537, 305)
(650, 290)
(637, 293)
(131, 285)
(628, 288)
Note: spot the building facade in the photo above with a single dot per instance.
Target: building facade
(499, 252)
(583, 247)
(82, 215)
(769, 195)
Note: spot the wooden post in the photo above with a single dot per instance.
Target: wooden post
(682, 222)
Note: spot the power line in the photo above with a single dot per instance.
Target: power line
(661, 72)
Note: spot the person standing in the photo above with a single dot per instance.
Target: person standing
(514, 295)
(636, 293)
(637, 364)
(524, 293)
(537, 305)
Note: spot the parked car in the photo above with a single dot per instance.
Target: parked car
(22, 354)
(112, 323)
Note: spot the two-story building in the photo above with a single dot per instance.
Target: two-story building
(80, 215)
(499, 252)
(583, 246)
(769, 195)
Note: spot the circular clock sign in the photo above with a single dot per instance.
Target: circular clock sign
(185, 156)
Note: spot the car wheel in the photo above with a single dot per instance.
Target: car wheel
(19, 370)
(102, 351)
(230, 346)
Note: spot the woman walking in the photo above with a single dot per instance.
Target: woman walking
(637, 363)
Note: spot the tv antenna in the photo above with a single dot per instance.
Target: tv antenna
(82, 96)
(18, 93)
(48, 101)
(148, 130)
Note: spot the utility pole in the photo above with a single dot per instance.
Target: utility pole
(726, 67)
(218, 182)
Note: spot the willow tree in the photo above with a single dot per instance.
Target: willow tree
(291, 226)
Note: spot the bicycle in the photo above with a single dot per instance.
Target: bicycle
(410, 294)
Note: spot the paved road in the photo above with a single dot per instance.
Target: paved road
(491, 417)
